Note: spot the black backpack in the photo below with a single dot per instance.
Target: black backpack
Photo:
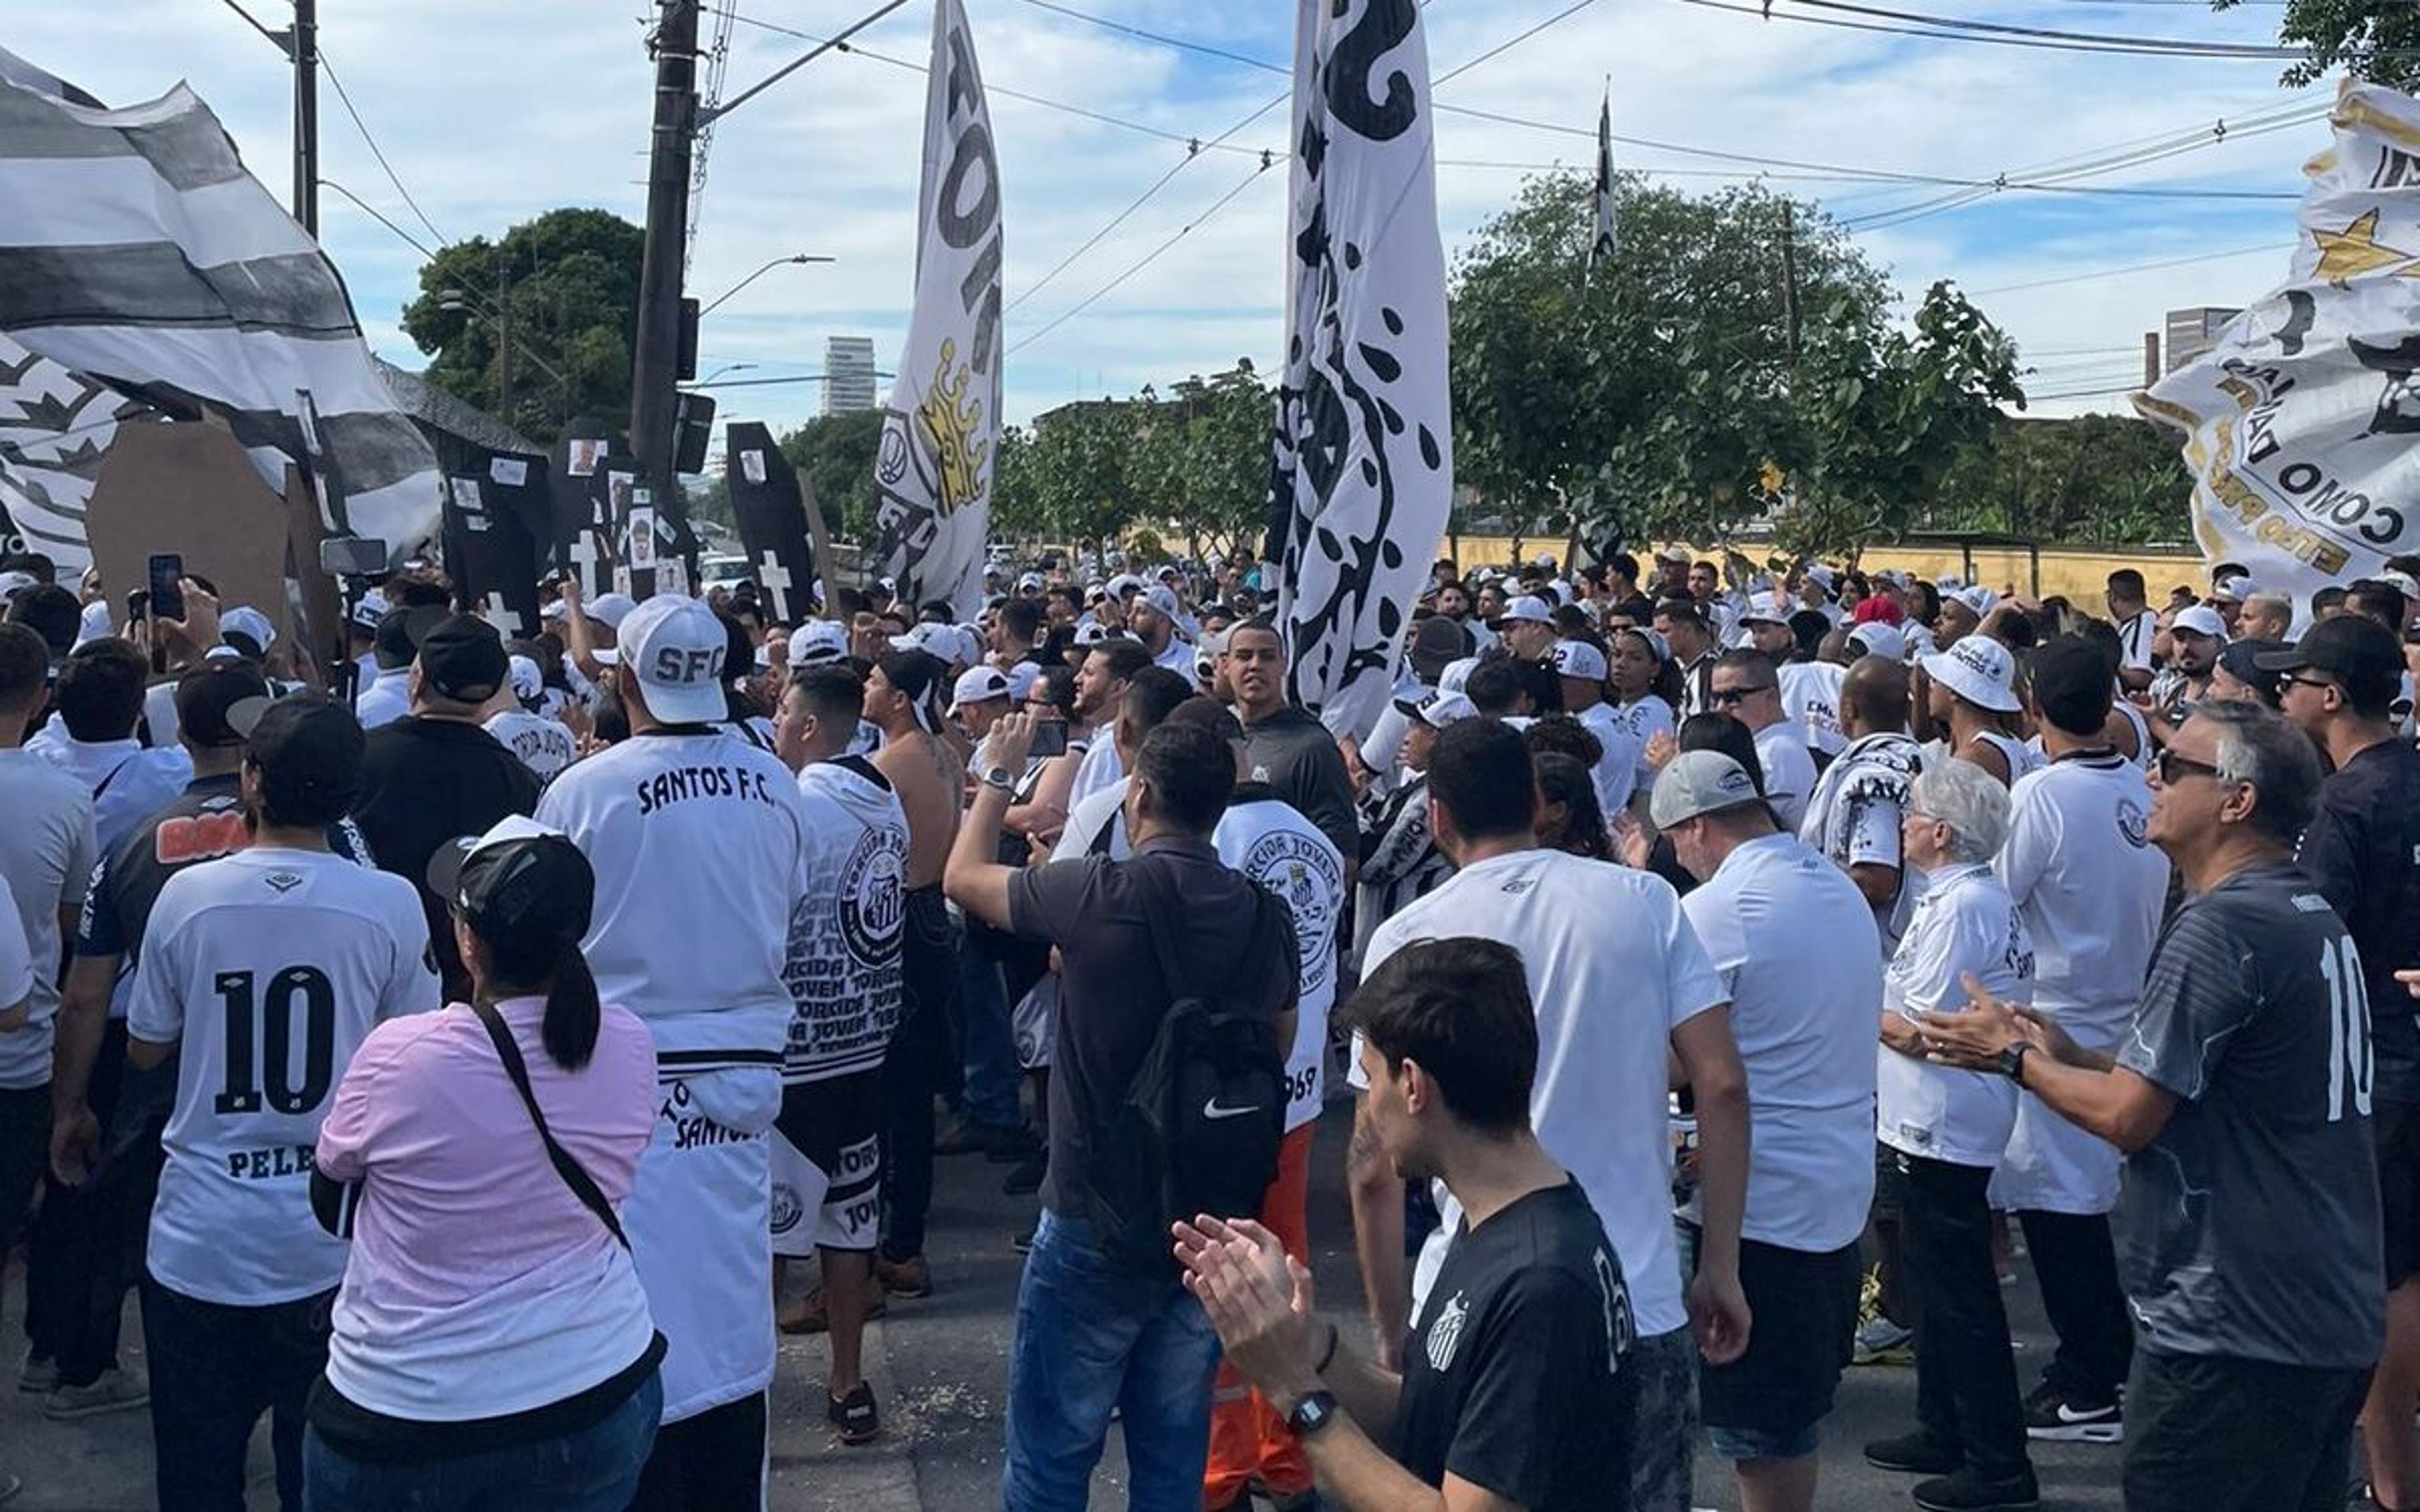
(1198, 1128)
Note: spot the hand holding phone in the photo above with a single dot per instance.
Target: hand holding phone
(1049, 739)
(167, 580)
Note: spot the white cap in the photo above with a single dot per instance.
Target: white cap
(817, 642)
(1162, 602)
(1822, 577)
(1455, 674)
(2402, 580)
(978, 685)
(1698, 782)
(932, 638)
(1021, 678)
(1977, 598)
(674, 646)
(1092, 633)
(611, 609)
(1978, 670)
(1528, 607)
(1438, 709)
(2199, 619)
(1125, 583)
(17, 583)
(1879, 639)
(1579, 660)
(1767, 609)
(249, 622)
(2233, 588)
(1031, 580)
(527, 681)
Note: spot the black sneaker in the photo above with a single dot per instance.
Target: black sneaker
(854, 1416)
(1916, 1454)
(2057, 1415)
(1969, 1491)
(1026, 1179)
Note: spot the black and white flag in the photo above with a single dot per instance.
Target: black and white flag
(496, 518)
(56, 427)
(580, 482)
(1361, 462)
(940, 427)
(1601, 243)
(772, 521)
(137, 249)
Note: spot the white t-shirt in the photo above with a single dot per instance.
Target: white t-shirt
(1262, 835)
(16, 957)
(46, 856)
(543, 745)
(1100, 767)
(1788, 770)
(1613, 969)
(845, 969)
(2091, 889)
(1180, 657)
(1617, 772)
(1811, 695)
(2134, 639)
(385, 700)
(1794, 944)
(1646, 718)
(1963, 924)
(267, 969)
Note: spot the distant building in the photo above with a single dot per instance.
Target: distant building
(848, 375)
(2192, 333)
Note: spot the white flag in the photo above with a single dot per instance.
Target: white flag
(1600, 245)
(2303, 422)
(941, 429)
(1362, 459)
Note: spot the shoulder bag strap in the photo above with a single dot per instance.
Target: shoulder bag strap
(583, 1186)
(1154, 920)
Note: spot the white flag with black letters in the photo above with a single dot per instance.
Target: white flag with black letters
(1363, 461)
(941, 428)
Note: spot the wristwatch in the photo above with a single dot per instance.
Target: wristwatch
(1313, 1412)
(2013, 1061)
(1001, 777)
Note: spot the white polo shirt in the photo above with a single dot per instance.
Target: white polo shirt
(1811, 694)
(1964, 923)
(1788, 770)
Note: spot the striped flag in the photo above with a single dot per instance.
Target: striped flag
(1601, 245)
(56, 426)
(137, 251)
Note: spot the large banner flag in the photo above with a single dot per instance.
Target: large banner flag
(56, 427)
(772, 521)
(1601, 243)
(2303, 422)
(138, 251)
(1361, 462)
(941, 428)
(580, 473)
(497, 516)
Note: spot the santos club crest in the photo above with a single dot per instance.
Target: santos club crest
(873, 895)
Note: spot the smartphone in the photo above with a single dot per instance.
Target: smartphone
(353, 556)
(1049, 739)
(138, 605)
(168, 586)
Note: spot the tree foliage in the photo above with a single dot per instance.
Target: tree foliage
(549, 311)
(834, 456)
(2106, 479)
(2374, 40)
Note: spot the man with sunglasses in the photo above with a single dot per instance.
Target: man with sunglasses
(1748, 688)
(2242, 1096)
(2338, 684)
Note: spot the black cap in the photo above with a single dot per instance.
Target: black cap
(399, 634)
(308, 749)
(518, 877)
(2241, 660)
(219, 702)
(2355, 650)
(462, 658)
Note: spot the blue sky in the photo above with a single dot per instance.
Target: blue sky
(490, 114)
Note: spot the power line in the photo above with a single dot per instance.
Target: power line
(1145, 261)
(371, 142)
(2132, 267)
(1163, 39)
(1509, 43)
(2180, 44)
(1944, 31)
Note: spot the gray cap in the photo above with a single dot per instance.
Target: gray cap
(1700, 782)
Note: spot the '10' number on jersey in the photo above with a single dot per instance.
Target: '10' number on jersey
(259, 1046)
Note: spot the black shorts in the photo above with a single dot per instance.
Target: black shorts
(1805, 1310)
(2206, 1434)
(826, 1164)
(1891, 1183)
(2395, 1135)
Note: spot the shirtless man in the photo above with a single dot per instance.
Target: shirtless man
(903, 698)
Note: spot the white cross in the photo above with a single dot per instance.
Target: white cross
(584, 560)
(497, 612)
(775, 579)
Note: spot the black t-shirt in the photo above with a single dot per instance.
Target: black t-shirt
(1112, 993)
(427, 781)
(2362, 848)
(1513, 1375)
(1293, 752)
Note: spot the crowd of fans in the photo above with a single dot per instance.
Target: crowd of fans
(1722, 964)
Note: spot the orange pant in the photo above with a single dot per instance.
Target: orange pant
(1249, 1439)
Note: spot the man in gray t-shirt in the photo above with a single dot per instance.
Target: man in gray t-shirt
(2242, 1096)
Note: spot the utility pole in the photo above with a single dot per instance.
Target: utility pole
(304, 50)
(1789, 283)
(656, 378)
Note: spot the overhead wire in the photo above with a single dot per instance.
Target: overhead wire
(1145, 261)
(2149, 47)
(2133, 268)
(345, 98)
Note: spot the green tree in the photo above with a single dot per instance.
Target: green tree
(834, 456)
(2375, 39)
(1078, 472)
(2110, 480)
(1201, 458)
(536, 327)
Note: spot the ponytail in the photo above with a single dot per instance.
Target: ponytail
(571, 1010)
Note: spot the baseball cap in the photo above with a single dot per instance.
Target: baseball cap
(1455, 674)
(519, 877)
(1698, 782)
(1822, 577)
(1978, 670)
(309, 747)
(2232, 590)
(248, 631)
(674, 646)
(400, 633)
(1977, 598)
(462, 658)
(1092, 633)
(219, 702)
(817, 642)
(1578, 660)
(610, 610)
(1768, 609)
(1021, 678)
(2200, 619)
(13, 582)
(1162, 601)
(1438, 709)
(1675, 553)
(1437, 643)
(978, 685)
(1879, 639)
(1527, 606)
(2357, 651)
(1028, 580)
(1125, 583)
(367, 611)
(527, 681)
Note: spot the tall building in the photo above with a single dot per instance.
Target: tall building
(848, 375)
(2192, 333)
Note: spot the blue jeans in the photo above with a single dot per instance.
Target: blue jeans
(989, 1049)
(1090, 1335)
(593, 1470)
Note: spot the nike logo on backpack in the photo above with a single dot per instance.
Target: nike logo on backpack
(1211, 1111)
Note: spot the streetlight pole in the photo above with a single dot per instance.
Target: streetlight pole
(778, 262)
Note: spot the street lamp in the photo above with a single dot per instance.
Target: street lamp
(459, 300)
(794, 257)
(727, 367)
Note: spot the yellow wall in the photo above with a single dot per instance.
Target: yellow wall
(2079, 575)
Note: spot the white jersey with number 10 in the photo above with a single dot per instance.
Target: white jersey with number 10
(268, 969)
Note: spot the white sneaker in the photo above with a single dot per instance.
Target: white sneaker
(113, 1391)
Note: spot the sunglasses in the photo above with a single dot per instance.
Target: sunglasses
(2171, 766)
(1724, 698)
(2285, 678)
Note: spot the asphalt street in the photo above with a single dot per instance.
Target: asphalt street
(940, 1365)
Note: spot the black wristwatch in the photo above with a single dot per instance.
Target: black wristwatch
(2013, 1061)
(1312, 1414)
